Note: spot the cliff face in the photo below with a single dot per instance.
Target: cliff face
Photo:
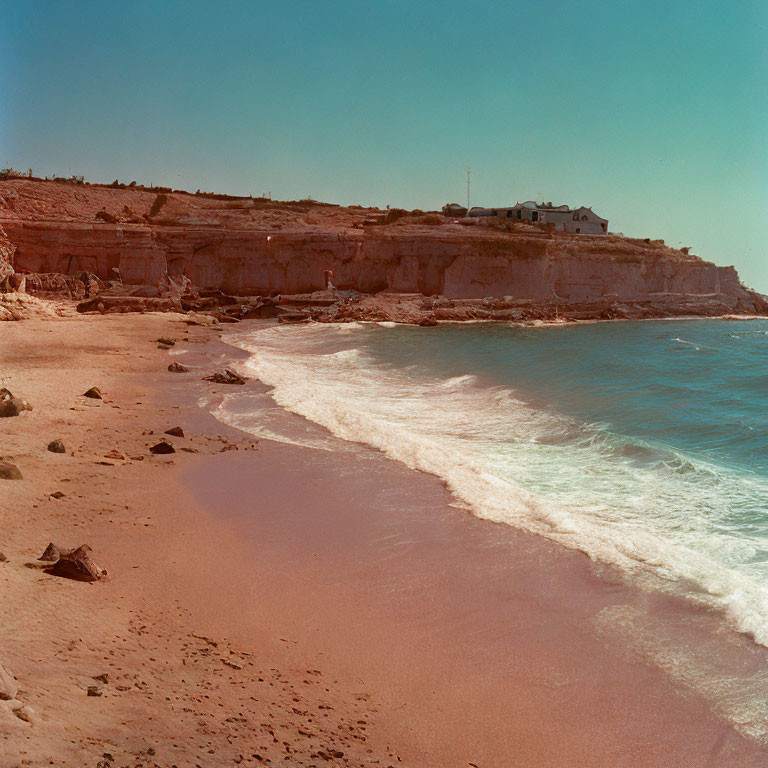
(256, 247)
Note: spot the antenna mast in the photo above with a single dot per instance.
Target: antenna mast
(468, 173)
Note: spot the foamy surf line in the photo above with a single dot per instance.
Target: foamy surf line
(390, 410)
(469, 435)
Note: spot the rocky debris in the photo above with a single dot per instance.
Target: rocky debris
(162, 447)
(166, 341)
(94, 393)
(10, 405)
(18, 306)
(3, 558)
(226, 376)
(177, 368)
(9, 471)
(23, 712)
(56, 446)
(8, 686)
(102, 678)
(294, 317)
(74, 564)
(175, 432)
(51, 553)
(105, 304)
(95, 690)
(57, 495)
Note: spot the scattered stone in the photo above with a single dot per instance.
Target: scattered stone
(165, 340)
(226, 376)
(102, 678)
(162, 447)
(8, 686)
(177, 368)
(95, 690)
(9, 471)
(115, 454)
(3, 558)
(10, 405)
(175, 432)
(57, 495)
(74, 564)
(94, 393)
(24, 713)
(56, 446)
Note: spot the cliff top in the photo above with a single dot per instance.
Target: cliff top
(38, 200)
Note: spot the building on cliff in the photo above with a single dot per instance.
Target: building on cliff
(580, 220)
(454, 209)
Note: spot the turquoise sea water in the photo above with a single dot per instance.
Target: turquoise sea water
(643, 444)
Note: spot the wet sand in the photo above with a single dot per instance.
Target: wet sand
(286, 602)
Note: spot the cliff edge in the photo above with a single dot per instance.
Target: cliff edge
(247, 246)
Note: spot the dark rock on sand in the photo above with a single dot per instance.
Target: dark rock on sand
(57, 495)
(225, 377)
(3, 558)
(95, 690)
(162, 447)
(10, 405)
(56, 446)
(9, 471)
(166, 341)
(24, 713)
(175, 432)
(177, 368)
(74, 564)
(94, 393)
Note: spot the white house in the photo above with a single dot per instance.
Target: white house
(580, 220)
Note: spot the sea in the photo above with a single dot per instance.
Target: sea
(642, 444)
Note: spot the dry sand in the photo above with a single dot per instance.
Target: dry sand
(277, 604)
(178, 693)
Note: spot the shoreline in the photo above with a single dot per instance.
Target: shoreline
(280, 550)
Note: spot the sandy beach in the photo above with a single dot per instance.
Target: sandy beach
(264, 604)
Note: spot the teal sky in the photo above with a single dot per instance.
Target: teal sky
(653, 112)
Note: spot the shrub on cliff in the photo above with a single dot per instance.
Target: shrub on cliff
(393, 214)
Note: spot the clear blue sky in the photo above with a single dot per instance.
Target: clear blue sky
(654, 112)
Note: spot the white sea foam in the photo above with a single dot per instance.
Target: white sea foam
(659, 519)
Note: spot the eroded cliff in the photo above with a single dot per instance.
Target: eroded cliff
(246, 246)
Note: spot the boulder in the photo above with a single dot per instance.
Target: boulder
(162, 447)
(56, 446)
(225, 377)
(177, 368)
(10, 405)
(94, 393)
(74, 564)
(9, 471)
(166, 341)
(175, 432)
